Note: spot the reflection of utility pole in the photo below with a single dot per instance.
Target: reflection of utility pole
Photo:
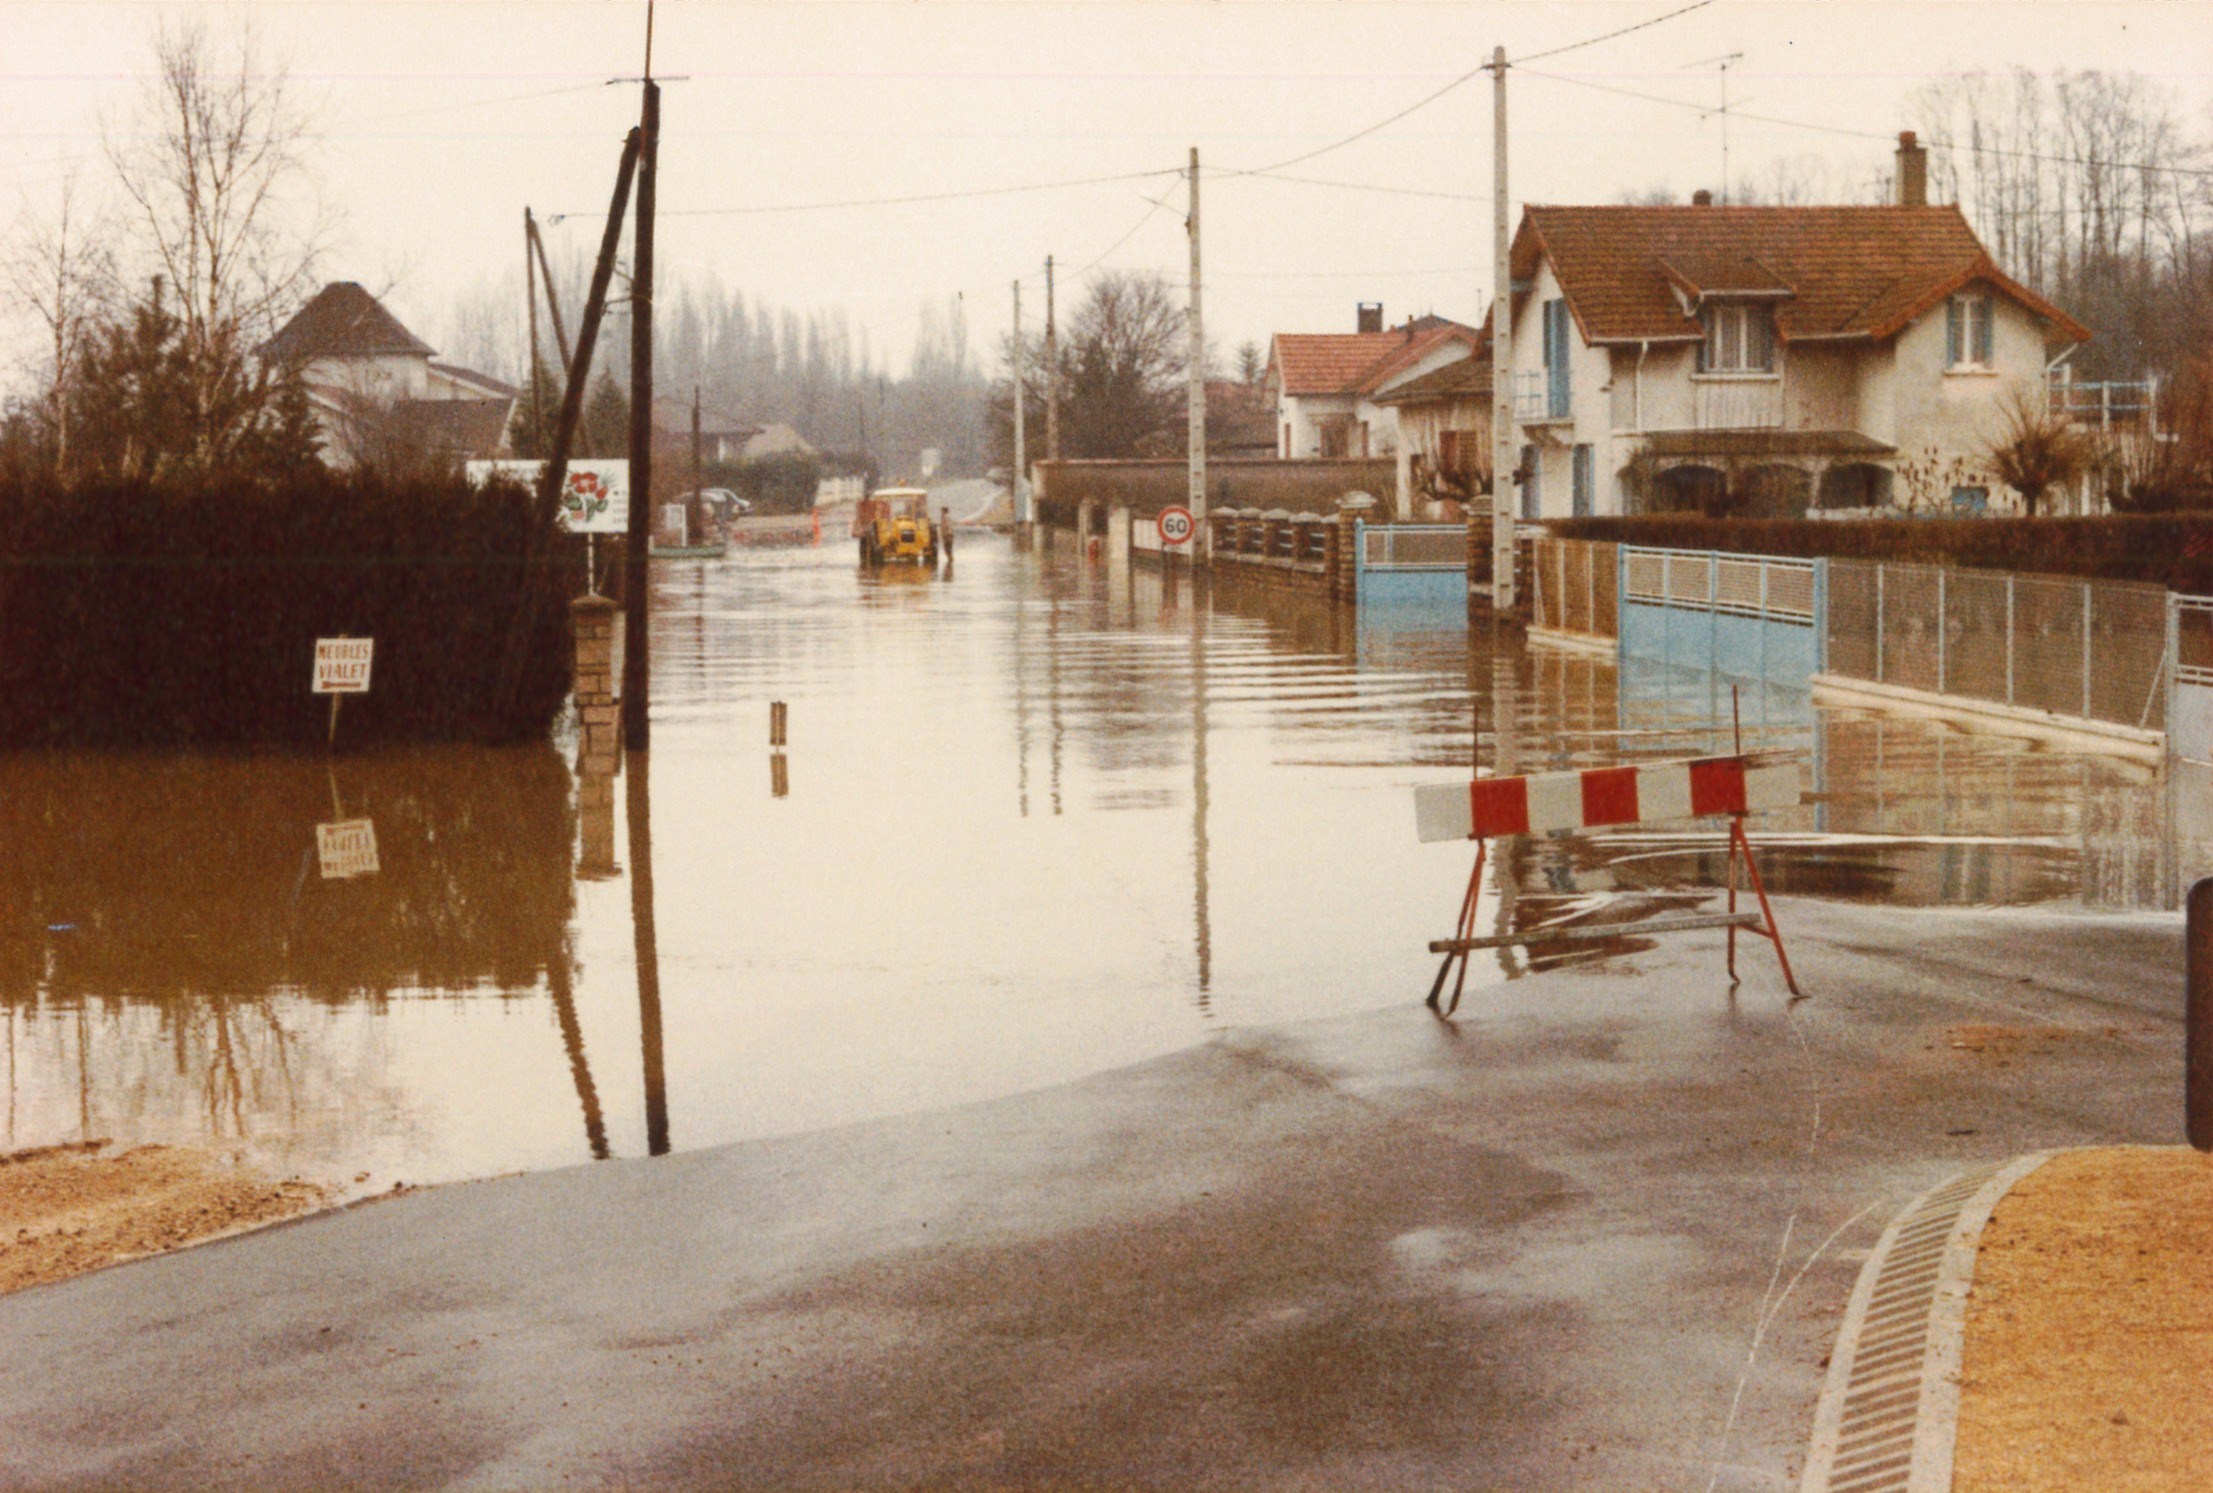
(1052, 693)
(558, 984)
(1021, 710)
(1200, 913)
(1505, 757)
(637, 804)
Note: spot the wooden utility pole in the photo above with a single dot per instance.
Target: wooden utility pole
(1503, 458)
(1201, 540)
(546, 521)
(636, 592)
(530, 290)
(1022, 514)
(694, 501)
(1052, 371)
(553, 297)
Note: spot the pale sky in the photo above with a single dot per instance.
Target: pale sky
(439, 120)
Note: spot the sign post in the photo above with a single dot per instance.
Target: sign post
(2197, 1028)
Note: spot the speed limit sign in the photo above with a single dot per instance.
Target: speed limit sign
(1175, 526)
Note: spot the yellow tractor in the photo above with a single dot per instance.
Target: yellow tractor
(893, 524)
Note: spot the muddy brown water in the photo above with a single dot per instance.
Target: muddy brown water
(1035, 819)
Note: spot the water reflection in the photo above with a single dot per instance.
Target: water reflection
(1056, 818)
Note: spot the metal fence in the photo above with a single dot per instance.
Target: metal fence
(1412, 546)
(2089, 649)
(1573, 585)
(2190, 682)
(1741, 585)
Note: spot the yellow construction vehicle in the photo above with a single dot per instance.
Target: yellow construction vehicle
(893, 524)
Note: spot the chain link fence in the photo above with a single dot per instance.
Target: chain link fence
(2094, 650)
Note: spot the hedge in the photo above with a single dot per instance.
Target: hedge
(178, 616)
(2172, 550)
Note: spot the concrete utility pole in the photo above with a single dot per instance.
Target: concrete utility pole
(636, 589)
(1022, 513)
(1052, 371)
(1201, 546)
(1503, 458)
(530, 290)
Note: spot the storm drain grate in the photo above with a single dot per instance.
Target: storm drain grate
(1890, 1404)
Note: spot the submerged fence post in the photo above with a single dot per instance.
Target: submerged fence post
(1943, 629)
(2086, 651)
(2009, 637)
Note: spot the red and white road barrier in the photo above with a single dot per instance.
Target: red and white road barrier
(1595, 799)
(1601, 796)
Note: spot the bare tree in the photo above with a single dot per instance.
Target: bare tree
(212, 164)
(2038, 448)
(59, 268)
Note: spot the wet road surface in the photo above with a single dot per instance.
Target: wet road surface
(1595, 1234)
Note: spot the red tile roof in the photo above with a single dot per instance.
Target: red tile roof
(1469, 378)
(1849, 272)
(1310, 363)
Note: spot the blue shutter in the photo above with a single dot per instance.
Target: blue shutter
(1983, 324)
(1531, 495)
(1556, 357)
(1582, 475)
(1951, 333)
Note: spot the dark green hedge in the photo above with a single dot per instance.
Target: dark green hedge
(2172, 550)
(140, 615)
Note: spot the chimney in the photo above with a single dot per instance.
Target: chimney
(1371, 316)
(1701, 198)
(1913, 171)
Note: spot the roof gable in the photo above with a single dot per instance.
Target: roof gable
(1637, 273)
(1354, 363)
(342, 321)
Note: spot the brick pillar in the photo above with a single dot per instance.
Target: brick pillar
(1344, 576)
(599, 733)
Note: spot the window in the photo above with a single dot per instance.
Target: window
(1556, 358)
(1582, 482)
(1967, 332)
(1739, 339)
(1531, 488)
(1335, 433)
(1971, 502)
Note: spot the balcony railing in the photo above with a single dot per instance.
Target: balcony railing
(1534, 399)
(2113, 405)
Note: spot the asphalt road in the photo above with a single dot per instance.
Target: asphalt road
(1597, 1233)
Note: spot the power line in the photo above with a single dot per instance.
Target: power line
(1835, 129)
(1574, 46)
(808, 207)
(1364, 186)
(1426, 100)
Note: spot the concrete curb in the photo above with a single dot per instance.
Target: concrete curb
(1889, 1409)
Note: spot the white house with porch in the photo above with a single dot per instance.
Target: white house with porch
(1768, 361)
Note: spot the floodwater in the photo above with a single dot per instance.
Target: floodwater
(1035, 819)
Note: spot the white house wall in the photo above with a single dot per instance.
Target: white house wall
(1948, 419)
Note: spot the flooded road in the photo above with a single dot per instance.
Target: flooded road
(1034, 820)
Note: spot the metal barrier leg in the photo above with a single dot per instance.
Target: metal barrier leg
(1465, 930)
(1772, 933)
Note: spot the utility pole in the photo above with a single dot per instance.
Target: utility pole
(1022, 513)
(1052, 371)
(530, 290)
(1503, 460)
(637, 595)
(545, 273)
(694, 500)
(1201, 541)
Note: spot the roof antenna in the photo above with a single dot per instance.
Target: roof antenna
(1720, 64)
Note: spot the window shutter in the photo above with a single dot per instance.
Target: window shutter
(1988, 310)
(1763, 339)
(1951, 332)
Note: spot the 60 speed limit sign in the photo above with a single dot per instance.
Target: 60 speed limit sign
(1175, 526)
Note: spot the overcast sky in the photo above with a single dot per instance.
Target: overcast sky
(439, 120)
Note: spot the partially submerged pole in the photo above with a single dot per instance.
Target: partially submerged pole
(636, 595)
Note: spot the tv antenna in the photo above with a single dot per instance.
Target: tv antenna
(1722, 65)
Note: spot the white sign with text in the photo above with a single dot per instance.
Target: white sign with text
(342, 665)
(347, 848)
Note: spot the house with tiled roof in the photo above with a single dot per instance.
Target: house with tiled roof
(1768, 360)
(1444, 431)
(1322, 383)
(380, 393)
